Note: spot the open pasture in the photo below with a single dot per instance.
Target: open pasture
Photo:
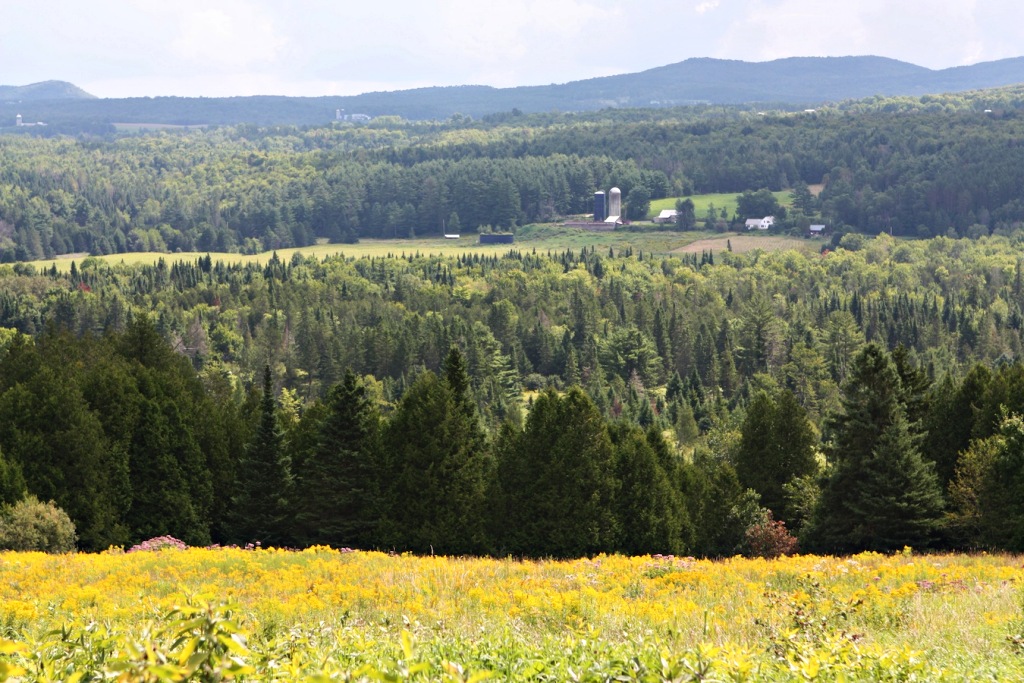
(324, 614)
(701, 202)
(553, 237)
(742, 243)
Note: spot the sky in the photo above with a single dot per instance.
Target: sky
(213, 48)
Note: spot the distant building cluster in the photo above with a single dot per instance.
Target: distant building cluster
(340, 115)
(607, 212)
(18, 121)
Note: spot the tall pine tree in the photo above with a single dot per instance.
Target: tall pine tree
(260, 505)
(338, 482)
(880, 494)
(777, 445)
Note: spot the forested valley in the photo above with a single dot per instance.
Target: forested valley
(935, 165)
(532, 404)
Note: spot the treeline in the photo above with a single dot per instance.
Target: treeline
(132, 443)
(935, 166)
(221, 192)
(739, 371)
(125, 437)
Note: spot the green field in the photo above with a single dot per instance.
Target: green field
(702, 201)
(542, 238)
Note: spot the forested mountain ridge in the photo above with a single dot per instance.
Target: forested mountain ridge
(43, 91)
(913, 166)
(804, 81)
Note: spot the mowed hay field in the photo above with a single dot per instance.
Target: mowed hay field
(701, 202)
(322, 614)
(542, 238)
(740, 243)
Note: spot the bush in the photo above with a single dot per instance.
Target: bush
(769, 538)
(32, 525)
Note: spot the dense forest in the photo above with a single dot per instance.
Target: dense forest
(935, 165)
(536, 404)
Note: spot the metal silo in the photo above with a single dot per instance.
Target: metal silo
(615, 203)
(600, 209)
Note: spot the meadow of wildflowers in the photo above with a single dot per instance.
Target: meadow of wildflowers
(322, 614)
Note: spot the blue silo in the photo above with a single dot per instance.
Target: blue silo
(600, 209)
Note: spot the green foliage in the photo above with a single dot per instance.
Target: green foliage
(12, 483)
(686, 215)
(339, 471)
(651, 515)
(987, 489)
(758, 205)
(777, 445)
(30, 525)
(556, 480)
(260, 511)
(438, 467)
(880, 493)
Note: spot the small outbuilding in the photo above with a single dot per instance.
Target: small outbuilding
(666, 216)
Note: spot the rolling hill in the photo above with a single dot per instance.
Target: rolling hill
(796, 81)
(44, 91)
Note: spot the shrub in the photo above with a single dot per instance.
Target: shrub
(769, 538)
(159, 543)
(32, 525)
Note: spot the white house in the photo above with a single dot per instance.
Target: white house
(760, 223)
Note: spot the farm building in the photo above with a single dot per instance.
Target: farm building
(666, 216)
(760, 223)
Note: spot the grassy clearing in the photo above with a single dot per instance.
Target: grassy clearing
(742, 243)
(701, 202)
(542, 238)
(554, 238)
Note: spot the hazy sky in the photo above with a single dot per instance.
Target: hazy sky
(124, 48)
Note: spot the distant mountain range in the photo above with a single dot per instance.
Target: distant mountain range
(795, 81)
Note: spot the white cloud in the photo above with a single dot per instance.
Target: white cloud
(932, 33)
(232, 37)
(514, 42)
(229, 47)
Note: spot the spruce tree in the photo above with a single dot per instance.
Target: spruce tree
(440, 468)
(12, 483)
(557, 480)
(777, 445)
(260, 505)
(880, 494)
(651, 516)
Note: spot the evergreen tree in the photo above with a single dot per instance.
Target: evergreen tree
(950, 421)
(260, 505)
(12, 483)
(440, 469)
(880, 494)
(557, 481)
(777, 445)
(339, 471)
(651, 516)
(720, 507)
